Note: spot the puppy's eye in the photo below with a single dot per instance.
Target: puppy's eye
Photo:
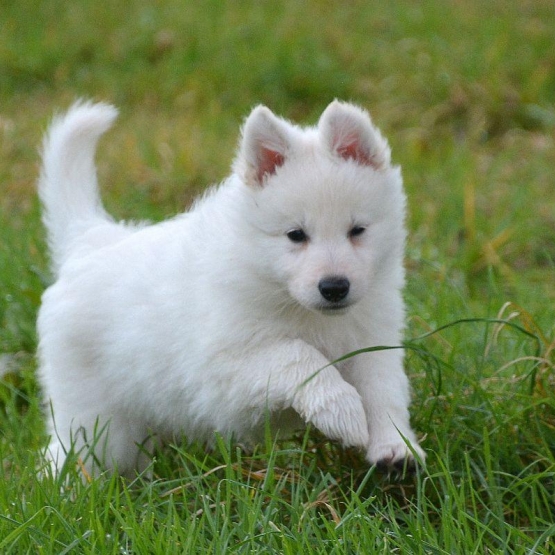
(356, 231)
(297, 236)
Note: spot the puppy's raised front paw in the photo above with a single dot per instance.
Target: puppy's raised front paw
(341, 416)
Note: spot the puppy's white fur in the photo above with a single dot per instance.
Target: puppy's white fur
(234, 310)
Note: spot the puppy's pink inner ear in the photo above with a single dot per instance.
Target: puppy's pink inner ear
(351, 148)
(268, 162)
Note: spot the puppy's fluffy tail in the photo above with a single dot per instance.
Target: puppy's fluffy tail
(68, 187)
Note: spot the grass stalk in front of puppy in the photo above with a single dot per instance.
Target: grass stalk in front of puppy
(411, 344)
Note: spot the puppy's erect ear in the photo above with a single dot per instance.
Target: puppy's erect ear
(348, 133)
(264, 146)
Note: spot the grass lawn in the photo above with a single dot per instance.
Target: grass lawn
(465, 93)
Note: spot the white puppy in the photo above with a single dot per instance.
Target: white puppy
(233, 312)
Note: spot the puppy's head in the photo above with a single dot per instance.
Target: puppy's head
(324, 206)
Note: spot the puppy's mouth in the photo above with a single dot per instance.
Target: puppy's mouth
(334, 308)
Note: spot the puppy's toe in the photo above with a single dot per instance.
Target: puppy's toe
(402, 466)
(347, 426)
(395, 457)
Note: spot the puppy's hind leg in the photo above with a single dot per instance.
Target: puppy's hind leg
(125, 447)
(116, 444)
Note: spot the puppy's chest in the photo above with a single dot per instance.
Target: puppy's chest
(334, 348)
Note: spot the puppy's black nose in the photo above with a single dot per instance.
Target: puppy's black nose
(334, 289)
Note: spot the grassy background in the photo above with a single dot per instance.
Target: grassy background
(465, 92)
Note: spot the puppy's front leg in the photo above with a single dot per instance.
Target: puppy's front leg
(297, 375)
(380, 379)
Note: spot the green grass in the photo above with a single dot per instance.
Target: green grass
(465, 92)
